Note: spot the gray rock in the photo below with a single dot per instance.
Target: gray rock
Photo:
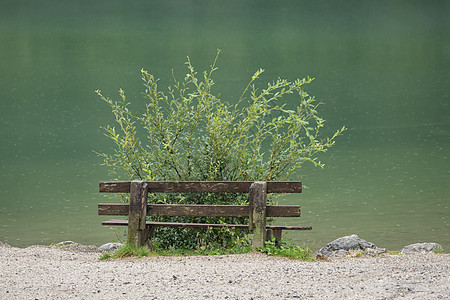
(421, 248)
(349, 245)
(109, 247)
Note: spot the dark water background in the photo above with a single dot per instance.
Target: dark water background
(381, 67)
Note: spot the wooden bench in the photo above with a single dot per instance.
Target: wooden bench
(140, 230)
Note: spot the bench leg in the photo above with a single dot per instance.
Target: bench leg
(277, 233)
(149, 232)
(137, 232)
(258, 198)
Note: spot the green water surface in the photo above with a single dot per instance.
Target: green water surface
(381, 67)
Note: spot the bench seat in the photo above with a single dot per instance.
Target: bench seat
(203, 225)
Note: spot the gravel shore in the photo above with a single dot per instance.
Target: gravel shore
(40, 272)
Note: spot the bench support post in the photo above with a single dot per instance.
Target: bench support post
(137, 232)
(257, 202)
(277, 233)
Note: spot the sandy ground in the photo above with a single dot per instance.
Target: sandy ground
(40, 272)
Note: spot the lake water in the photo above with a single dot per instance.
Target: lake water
(381, 67)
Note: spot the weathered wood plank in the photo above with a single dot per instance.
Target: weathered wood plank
(275, 227)
(251, 197)
(137, 213)
(114, 186)
(258, 211)
(112, 209)
(283, 211)
(202, 225)
(192, 210)
(143, 205)
(201, 186)
(169, 224)
(284, 186)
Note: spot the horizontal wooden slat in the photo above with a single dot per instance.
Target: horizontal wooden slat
(289, 227)
(114, 186)
(168, 224)
(182, 210)
(113, 209)
(201, 186)
(284, 186)
(200, 225)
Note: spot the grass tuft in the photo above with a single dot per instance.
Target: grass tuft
(439, 251)
(289, 251)
(105, 256)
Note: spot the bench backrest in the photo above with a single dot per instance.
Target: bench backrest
(200, 210)
(201, 186)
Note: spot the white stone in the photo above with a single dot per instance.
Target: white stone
(109, 247)
(66, 243)
(421, 248)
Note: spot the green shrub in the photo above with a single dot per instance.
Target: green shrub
(189, 133)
